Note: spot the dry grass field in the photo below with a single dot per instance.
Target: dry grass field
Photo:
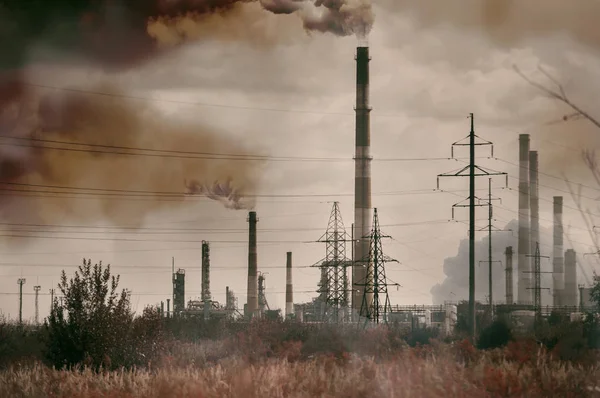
(210, 369)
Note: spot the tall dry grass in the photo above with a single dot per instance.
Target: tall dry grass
(205, 370)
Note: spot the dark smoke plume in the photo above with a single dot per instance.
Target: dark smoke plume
(44, 179)
(119, 35)
(115, 33)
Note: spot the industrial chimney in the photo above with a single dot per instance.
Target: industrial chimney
(509, 275)
(252, 301)
(569, 296)
(362, 181)
(558, 261)
(534, 202)
(205, 295)
(289, 292)
(523, 261)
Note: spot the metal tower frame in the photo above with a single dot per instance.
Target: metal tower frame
(334, 285)
(537, 281)
(491, 228)
(471, 171)
(376, 282)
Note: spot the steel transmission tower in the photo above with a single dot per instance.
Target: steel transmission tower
(21, 282)
(37, 312)
(472, 171)
(491, 228)
(376, 283)
(537, 281)
(334, 285)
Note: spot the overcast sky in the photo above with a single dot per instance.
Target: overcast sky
(294, 97)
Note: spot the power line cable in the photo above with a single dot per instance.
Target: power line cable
(177, 154)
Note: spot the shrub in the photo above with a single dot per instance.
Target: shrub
(20, 343)
(93, 322)
(498, 334)
(422, 336)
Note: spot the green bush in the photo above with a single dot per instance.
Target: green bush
(20, 344)
(498, 334)
(422, 336)
(94, 324)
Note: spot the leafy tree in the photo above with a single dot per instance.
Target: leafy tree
(92, 322)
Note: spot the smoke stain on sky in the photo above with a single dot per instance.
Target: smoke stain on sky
(116, 36)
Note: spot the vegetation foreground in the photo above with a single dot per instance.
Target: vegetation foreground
(93, 345)
(436, 370)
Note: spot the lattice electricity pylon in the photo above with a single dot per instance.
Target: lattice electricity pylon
(491, 228)
(537, 281)
(376, 282)
(334, 286)
(472, 171)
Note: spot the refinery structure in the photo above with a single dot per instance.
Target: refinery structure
(352, 287)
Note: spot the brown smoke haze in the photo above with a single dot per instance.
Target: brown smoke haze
(509, 22)
(561, 143)
(43, 170)
(43, 178)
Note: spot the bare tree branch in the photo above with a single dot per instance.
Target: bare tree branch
(558, 94)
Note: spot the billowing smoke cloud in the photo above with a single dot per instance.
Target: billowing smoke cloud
(119, 35)
(45, 176)
(456, 285)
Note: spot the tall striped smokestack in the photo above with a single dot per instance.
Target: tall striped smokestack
(362, 182)
(509, 275)
(569, 296)
(523, 262)
(558, 261)
(289, 292)
(252, 301)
